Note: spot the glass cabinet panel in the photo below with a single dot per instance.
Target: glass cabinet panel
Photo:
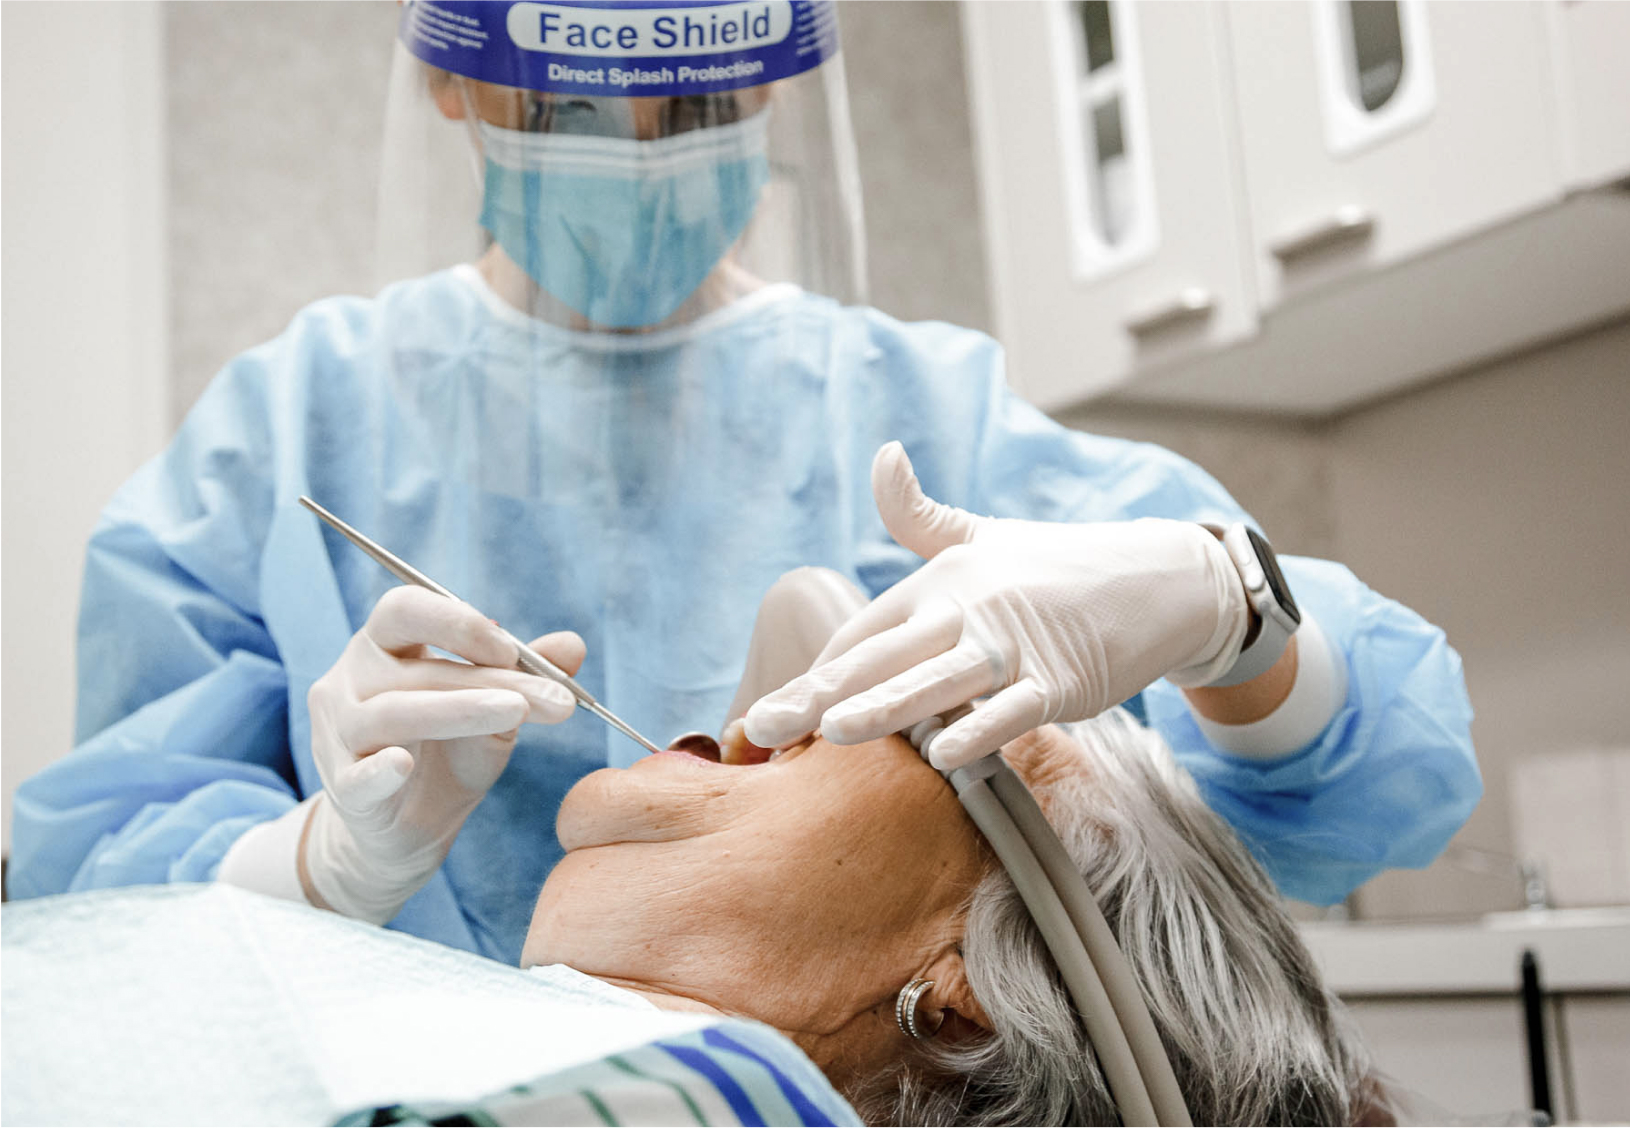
(1375, 51)
(1375, 69)
(1108, 185)
(1097, 32)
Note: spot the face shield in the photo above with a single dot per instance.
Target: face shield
(622, 167)
(595, 392)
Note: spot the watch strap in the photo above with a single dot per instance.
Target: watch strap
(1277, 620)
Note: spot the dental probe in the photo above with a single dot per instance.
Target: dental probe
(529, 660)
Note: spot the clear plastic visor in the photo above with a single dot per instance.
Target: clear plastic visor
(620, 212)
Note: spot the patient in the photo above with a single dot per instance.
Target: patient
(806, 890)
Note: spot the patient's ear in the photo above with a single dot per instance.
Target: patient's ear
(952, 998)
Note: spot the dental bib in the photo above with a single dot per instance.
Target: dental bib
(206, 1004)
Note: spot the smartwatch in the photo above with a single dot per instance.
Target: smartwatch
(1276, 614)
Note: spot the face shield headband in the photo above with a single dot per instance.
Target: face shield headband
(601, 48)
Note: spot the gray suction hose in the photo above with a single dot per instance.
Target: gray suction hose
(1094, 969)
(1094, 934)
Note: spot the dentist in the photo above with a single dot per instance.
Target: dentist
(614, 394)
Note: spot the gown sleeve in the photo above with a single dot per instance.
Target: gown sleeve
(182, 734)
(1389, 779)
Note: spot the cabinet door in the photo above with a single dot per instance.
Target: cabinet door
(1113, 224)
(1598, 1047)
(1373, 132)
(1591, 38)
(1467, 1055)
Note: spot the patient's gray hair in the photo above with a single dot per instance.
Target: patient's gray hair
(1252, 1033)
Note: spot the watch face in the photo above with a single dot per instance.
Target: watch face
(1276, 578)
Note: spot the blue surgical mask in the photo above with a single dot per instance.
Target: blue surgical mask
(622, 231)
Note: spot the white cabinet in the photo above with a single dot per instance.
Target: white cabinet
(1468, 1056)
(1438, 1006)
(1110, 197)
(1591, 45)
(1598, 1047)
(1295, 205)
(1461, 136)
(1551, 272)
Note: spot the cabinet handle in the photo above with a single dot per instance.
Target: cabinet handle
(1348, 222)
(1190, 304)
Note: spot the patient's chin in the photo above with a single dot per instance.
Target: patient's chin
(557, 905)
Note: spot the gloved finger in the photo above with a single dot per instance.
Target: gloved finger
(918, 597)
(796, 619)
(406, 716)
(364, 785)
(914, 519)
(1006, 717)
(894, 607)
(408, 617)
(793, 710)
(565, 649)
(550, 701)
(474, 765)
(926, 690)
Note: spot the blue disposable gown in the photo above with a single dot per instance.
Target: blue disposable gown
(644, 492)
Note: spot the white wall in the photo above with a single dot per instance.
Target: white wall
(1496, 505)
(275, 118)
(83, 375)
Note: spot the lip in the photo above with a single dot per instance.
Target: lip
(682, 755)
(692, 759)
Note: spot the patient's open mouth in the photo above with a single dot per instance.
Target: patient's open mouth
(734, 750)
(697, 744)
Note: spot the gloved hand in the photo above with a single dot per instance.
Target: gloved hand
(1064, 620)
(407, 744)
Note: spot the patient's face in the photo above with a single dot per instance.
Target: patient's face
(802, 892)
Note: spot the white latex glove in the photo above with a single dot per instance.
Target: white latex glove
(407, 744)
(796, 619)
(1064, 620)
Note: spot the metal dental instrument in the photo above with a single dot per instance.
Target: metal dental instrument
(530, 660)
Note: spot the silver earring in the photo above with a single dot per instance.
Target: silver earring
(905, 1009)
